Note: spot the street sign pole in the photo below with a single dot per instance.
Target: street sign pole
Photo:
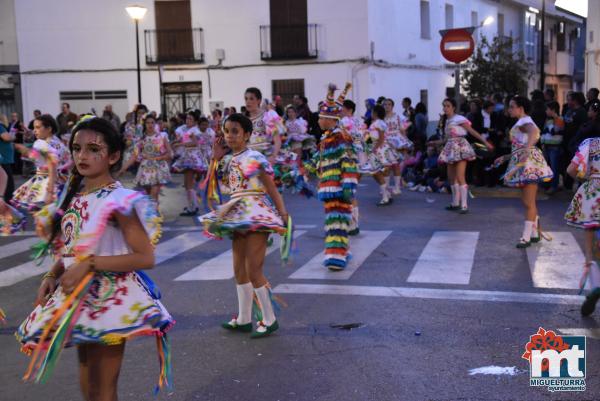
(457, 85)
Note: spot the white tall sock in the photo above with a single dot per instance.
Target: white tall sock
(527, 230)
(265, 304)
(397, 181)
(536, 229)
(464, 194)
(384, 191)
(455, 194)
(355, 214)
(387, 181)
(192, 200)
(244, 293)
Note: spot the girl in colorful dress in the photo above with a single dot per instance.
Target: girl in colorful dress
(95, 297)
(254, 210)
(52, 161)
(267, 126)
(153, 152)
(11, 220)
(190, 161)
(206, 139)
(398, 141)
(355, 127)
(298, 138)
(457, 152)
(527, 167)
(584, 212)
(381, 156)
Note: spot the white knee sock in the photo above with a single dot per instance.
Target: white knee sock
(193, 202)
(384, 191)
(387, 181)
(244, 293)
(536, 229)
(527, 230)
(455, 194)
(355, 214)
(464, 194)
(265, 305)
(397, 181)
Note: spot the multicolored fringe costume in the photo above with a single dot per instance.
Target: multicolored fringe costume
(106, 308)
(335, 166)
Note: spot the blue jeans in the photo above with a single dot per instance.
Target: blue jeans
(553, 155)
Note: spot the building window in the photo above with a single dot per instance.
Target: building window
(174, 39)
(561, 38)
(425, 28)
(474, 18)
(591, 36)
(287, 88)
(500, 24)
(449, 16)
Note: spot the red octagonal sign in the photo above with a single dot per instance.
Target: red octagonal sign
(457, 45)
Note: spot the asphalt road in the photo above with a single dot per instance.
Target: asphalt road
(430, 296)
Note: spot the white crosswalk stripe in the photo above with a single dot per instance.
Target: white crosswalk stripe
(174, 246)
(557, 263)
(360, 247)
(23, 272)
(17, 247)
(221, 267)
(447, 258)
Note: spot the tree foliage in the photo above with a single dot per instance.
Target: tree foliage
(496, 68)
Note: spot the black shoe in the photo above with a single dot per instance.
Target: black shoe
(188, 212)
(453, 208)
(463, 210)
(356, 231)
(589, 305)
(523, 244)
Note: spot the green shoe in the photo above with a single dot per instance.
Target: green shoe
(264, 331)
(356, 231)
(463, 210)
(234, 326)
(523, 244)
(535, 240)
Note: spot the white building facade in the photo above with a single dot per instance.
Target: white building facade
(201, 54)
(592, 57)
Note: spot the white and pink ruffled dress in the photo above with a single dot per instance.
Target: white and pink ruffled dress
(457, 147)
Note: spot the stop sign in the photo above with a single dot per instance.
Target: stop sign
(457, 45)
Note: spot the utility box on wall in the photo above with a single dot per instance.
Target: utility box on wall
(215, 104)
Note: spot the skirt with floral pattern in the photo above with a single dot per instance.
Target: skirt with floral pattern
(533, 169)
(153, 172)
(117, 306)
(247, 213)
(584, 210)
(456, 149)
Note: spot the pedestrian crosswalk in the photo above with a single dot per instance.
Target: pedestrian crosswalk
(448, 257)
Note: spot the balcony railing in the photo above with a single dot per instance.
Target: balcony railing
(174, 46)
(285, 42)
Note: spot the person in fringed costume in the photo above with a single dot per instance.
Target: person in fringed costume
(335, 166)
(96, 296)
(255, 209)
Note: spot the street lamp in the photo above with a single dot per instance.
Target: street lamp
(137, 13)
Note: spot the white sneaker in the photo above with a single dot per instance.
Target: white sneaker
(396, 191)
(422, 188)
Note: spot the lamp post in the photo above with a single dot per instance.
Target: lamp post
(456, 46)
(137, 13)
